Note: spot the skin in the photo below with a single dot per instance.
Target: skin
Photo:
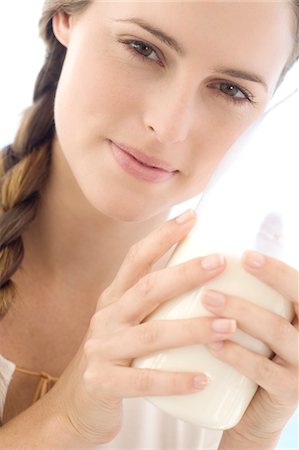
(177, 126)
(93, 210)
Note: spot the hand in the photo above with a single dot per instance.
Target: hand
(100, 376)
(277, 396)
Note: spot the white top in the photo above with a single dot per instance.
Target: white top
(144, 427)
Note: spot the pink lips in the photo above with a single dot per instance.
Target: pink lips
(140, 165)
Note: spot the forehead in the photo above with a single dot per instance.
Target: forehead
(250, 19)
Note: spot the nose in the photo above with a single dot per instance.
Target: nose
(170, 114)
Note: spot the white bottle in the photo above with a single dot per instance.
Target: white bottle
(249, 204)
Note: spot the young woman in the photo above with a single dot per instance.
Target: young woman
(136, 104)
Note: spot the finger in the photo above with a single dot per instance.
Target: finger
(275, 379)
(157, 335)
(273, 272)
(157, 287)
(126, 382)
(147, 252)
(272, 329)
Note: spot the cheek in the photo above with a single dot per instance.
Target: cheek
(96, 99)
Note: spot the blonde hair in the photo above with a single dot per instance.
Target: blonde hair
(25, 165)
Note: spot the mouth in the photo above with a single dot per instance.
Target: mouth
(140, 165)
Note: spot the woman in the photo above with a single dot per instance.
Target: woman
(136, 104)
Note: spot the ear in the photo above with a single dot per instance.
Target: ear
(62, 27)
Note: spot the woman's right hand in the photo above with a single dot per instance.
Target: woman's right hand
(100, 376)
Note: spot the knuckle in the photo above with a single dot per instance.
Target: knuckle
(169, 235)
(134, 253)
(145, 285)
(94, 321)
(183, 271)
(236, 357)
(107, 297)
(180, 383)
(240, 308)
(280, 331)
(188, 273)
(89, 381)
(101, 320)
(143, 380)
(264, 369)
(89, 378)
(89, 348)
(149, 333)
(97, 378)
(96, 350)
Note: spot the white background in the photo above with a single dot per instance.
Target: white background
(21, 55)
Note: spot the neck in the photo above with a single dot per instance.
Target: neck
(72, 247)
(72, 252)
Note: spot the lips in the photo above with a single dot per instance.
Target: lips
(140, 165)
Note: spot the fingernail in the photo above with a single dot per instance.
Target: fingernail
(213, 299)
(216, 346)
(254, 259)
(212, 262)
(224, 325)
(185, 217)
(200, 381)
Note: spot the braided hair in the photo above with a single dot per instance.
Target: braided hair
(25, 164)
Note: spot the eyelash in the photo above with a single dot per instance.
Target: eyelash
(248, 97)
(236, 100)
(128, 44)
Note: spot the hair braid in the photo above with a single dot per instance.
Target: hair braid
(24, 166)
(23, 171)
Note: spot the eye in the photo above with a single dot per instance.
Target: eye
(232, 92)
(142, 49)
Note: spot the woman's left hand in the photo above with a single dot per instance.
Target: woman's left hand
(277, 396)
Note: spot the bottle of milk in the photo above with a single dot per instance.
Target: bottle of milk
(250, 203)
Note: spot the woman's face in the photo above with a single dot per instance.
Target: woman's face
(173, 83)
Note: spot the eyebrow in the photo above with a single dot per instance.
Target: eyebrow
(173, 44)
(159, 34)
